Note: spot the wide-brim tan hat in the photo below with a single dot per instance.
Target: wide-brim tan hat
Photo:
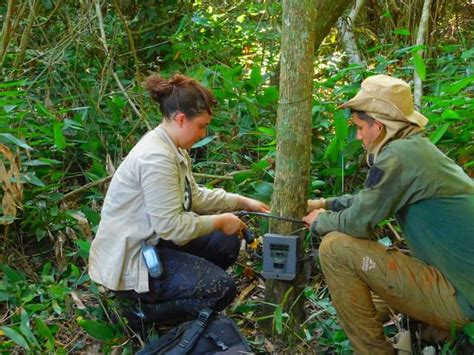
(388, 96)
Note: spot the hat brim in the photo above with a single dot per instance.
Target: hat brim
(384, 107)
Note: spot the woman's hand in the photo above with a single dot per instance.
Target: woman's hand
(228, 223)
(249, 204)
(312, 216)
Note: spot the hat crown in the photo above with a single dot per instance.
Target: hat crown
(387, 88)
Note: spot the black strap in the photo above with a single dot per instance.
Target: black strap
(191, 335)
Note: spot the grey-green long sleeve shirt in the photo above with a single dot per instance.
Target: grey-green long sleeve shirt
(433, 201)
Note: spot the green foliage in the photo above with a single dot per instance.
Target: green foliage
(67, 123)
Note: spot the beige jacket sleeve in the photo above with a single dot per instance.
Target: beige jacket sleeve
(160, 180)
(211, 201)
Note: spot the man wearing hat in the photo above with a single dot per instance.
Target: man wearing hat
(432, 200)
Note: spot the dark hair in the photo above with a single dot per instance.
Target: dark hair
(363, 116)
(180, 94)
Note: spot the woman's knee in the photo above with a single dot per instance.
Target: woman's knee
(224, 293)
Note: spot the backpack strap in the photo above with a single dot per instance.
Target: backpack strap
(191, 335)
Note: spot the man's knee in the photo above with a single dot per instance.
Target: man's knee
(331, 245)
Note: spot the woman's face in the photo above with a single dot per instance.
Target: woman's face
(193, 130)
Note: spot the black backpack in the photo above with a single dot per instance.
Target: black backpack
(210, 333)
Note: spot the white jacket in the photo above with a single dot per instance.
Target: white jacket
(146, 200)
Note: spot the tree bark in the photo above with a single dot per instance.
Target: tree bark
(346, 29)
(305, 24)
(420, 40)
(327, 14)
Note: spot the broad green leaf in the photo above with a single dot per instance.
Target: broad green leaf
(203, 142)
(341, 126)
(97, 330)
(59, 140)
(278, 319)
(56, 307)
(339, 336)
(84, 247)
(419, 66)
(15, 140)
(42, 110)
(41, 162)
(469, 329)
(11, 274)
(242, 176)
(16, 337)
(31, 178)
(268, 131)
(252, 108)
(44, 332)
(35, 307)
(10, 84)
(438, 134)
(456, 87)
(9, 108)
(269, 96)
(255, 76)
(449, 114)
(263, 187)
(245, 307)
(91, 215)
(260, 165)
(331, 150)
(4, 296)
(401, 32)
(26, 329)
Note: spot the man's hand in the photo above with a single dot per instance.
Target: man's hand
(228, 223)
(249, 204)
(312, 216)
(315, 204)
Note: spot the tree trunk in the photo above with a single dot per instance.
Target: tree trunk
(305, 24)
(346, 29)
(420, 40)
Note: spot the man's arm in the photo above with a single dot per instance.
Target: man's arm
(382, 196)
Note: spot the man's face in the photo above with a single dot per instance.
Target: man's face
(194, 130)
(366, 132)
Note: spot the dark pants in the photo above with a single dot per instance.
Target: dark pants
(193, 279)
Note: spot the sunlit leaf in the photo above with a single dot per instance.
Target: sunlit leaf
(59, 140)
(278, 319)
(419, 66)
(401, 32)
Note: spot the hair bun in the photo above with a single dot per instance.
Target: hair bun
(158, 87)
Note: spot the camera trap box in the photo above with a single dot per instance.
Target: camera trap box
(280, 253)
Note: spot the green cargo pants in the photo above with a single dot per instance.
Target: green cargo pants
(354, 267)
